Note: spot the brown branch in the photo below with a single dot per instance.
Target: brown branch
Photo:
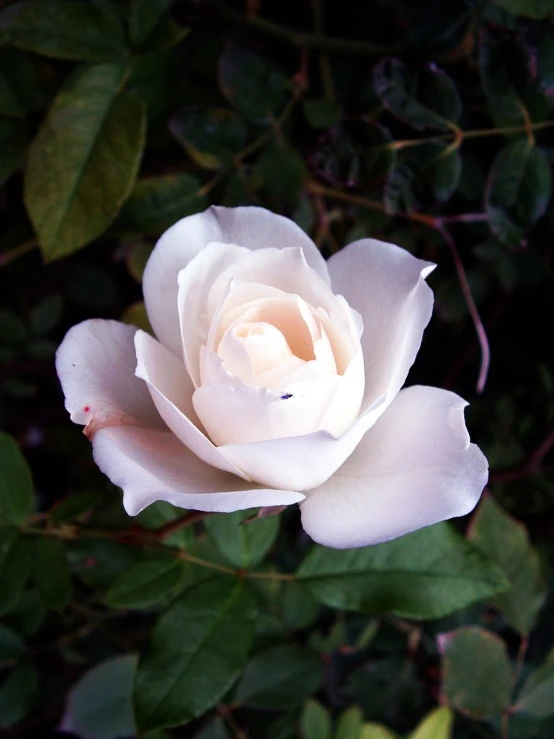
(531, 466)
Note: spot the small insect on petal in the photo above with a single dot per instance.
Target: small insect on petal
(286, 396)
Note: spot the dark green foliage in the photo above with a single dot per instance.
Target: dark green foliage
(424, 124)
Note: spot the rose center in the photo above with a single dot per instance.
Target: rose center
(265, 345)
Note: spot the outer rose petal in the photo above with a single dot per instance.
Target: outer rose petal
(253, 228)
(414, 468)
(171, 389)
(153, 465)
(386, 285)
(96, 364)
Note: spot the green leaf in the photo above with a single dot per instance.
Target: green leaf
(99, 704)
(535, 697)
(17, 498)
(144, 16)
(212, 137)
(426, 173)
(282, 171)
(512, 89)
(280, 677)
(15, 567)
(376, 731)
(322, 113)
(156, 203)
(437, 725)
(79, 31)
(357, 151)
(165, 36)
(75, 506)
(17, 695)
(46, 315)
(197, 650)
(349, 724)
(428, 99)
(427, 574)
(477, 674)
(17, 83)
(84, 161)
(315, 721)
(519, 190)
(11, 644)
(506, 541)
(145, 584)
(51, 574)
(243, 544)
(14, 139)
(537, 9)
(254, 86)
(136, 315)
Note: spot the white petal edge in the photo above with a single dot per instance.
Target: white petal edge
(386, 286)
(171, 388)
(250, 227)
(153, 465)
(96, 366)
(414, 468)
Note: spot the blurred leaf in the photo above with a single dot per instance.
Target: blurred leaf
(212, 137)
(80, 31)
(17, 694)
(509, 80)
(315, 721)
(535, 697)
(27, 615)
(14, 140)
(89, 286)
(437, 725)
(165, 36)
(15, 567)
(146, 584)
(11, 644)
(46, 315)
(300, 608)
(355, 152)
(136, 315)
(280, 677)
(376, 731)
(428, 99)
(505, 540)
(426, 173)
(156, 203)
(349, 724)
(51, 574)
(99, 704)
(17, 499)
(322, 113)
(242, 544)
(282, 171)
(18, 91)
(427, 574)
(136, 257)
(215, 729)
(144, 16)
(83, 163)
(519, 190)
(477, 676)
(180, 678)
(531, 8)
(254, 86)
(160, 513)
(75, 506)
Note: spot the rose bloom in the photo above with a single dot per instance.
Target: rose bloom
(275, 378)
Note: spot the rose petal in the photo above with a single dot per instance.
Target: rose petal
(154, 465)
(250, 227)
(298, 462)
(171, 390)
(386, 285)
(414, 468)
(96, 364)
(235, 413)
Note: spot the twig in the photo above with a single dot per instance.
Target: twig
(18, 251)
(530, 466)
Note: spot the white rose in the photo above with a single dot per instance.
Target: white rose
(275, 379)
